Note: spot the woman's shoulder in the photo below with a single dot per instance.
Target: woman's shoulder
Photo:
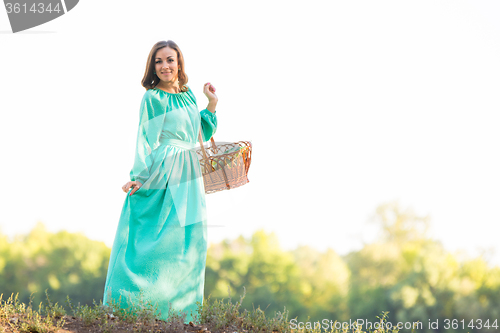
(156, 96)
(152, 92)
(155, 101)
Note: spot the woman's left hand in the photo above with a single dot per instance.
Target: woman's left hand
(209, 91)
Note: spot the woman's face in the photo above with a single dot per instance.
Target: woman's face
(166, 65)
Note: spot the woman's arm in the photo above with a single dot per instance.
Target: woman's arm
(211, 106)
(209, 91)
(208, 116)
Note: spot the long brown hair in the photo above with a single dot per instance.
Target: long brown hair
(150, 80)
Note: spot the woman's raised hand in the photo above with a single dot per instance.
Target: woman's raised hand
(209, 91)
(135, 184)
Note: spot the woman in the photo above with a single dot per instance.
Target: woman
(159, 251)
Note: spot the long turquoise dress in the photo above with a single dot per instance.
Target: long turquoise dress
(160, 247)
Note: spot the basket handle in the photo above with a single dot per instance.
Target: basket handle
(203, 148)
(216, 151)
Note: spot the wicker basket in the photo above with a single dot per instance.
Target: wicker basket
(225, 166)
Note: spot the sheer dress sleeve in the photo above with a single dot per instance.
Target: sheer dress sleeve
(208, 124)
(151, 118)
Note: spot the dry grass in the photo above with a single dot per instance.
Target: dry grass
(213, 317)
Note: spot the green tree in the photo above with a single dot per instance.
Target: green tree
(64, 263)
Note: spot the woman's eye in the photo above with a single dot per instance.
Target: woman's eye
(158, 62)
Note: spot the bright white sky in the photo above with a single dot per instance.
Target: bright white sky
(348, 105)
